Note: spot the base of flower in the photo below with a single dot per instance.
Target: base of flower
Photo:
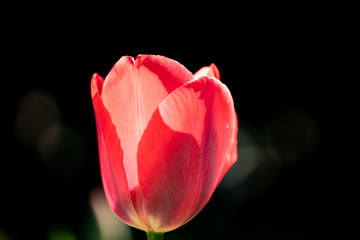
(154, 235)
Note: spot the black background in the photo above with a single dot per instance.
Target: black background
(273, 60)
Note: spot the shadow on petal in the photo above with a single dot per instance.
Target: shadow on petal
(169, 165)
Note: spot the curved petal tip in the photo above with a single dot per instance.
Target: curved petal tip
(210, 71)
(96, 84)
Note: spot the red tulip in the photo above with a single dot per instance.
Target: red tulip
(166, 138)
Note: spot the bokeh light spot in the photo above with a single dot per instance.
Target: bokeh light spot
(37, 111)
(293, 135)
(4, 235)
(250, 155)
(60, 232)
(111, 227)
(63, 150)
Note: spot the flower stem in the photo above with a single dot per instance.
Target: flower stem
(154, 235)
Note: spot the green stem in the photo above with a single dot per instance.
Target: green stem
(154, 235)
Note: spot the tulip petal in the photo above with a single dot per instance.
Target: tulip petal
(132, 91)
(233, 155)
(184, 152)
(210, 71)
(111, 164)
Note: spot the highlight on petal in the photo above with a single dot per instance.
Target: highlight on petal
(210, 71)
(131, 92)
(194, 129)
(112, 167)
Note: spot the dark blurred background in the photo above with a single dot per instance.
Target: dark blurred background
(281, 64)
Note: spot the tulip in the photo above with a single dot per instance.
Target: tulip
(166, 138)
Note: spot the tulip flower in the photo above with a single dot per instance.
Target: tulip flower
(166, 138)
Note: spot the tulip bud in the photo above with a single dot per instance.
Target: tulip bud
(166, 138)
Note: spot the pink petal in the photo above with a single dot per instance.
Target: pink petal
(211, 71)
(131, 93)
(111, 164)
(184, 152)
